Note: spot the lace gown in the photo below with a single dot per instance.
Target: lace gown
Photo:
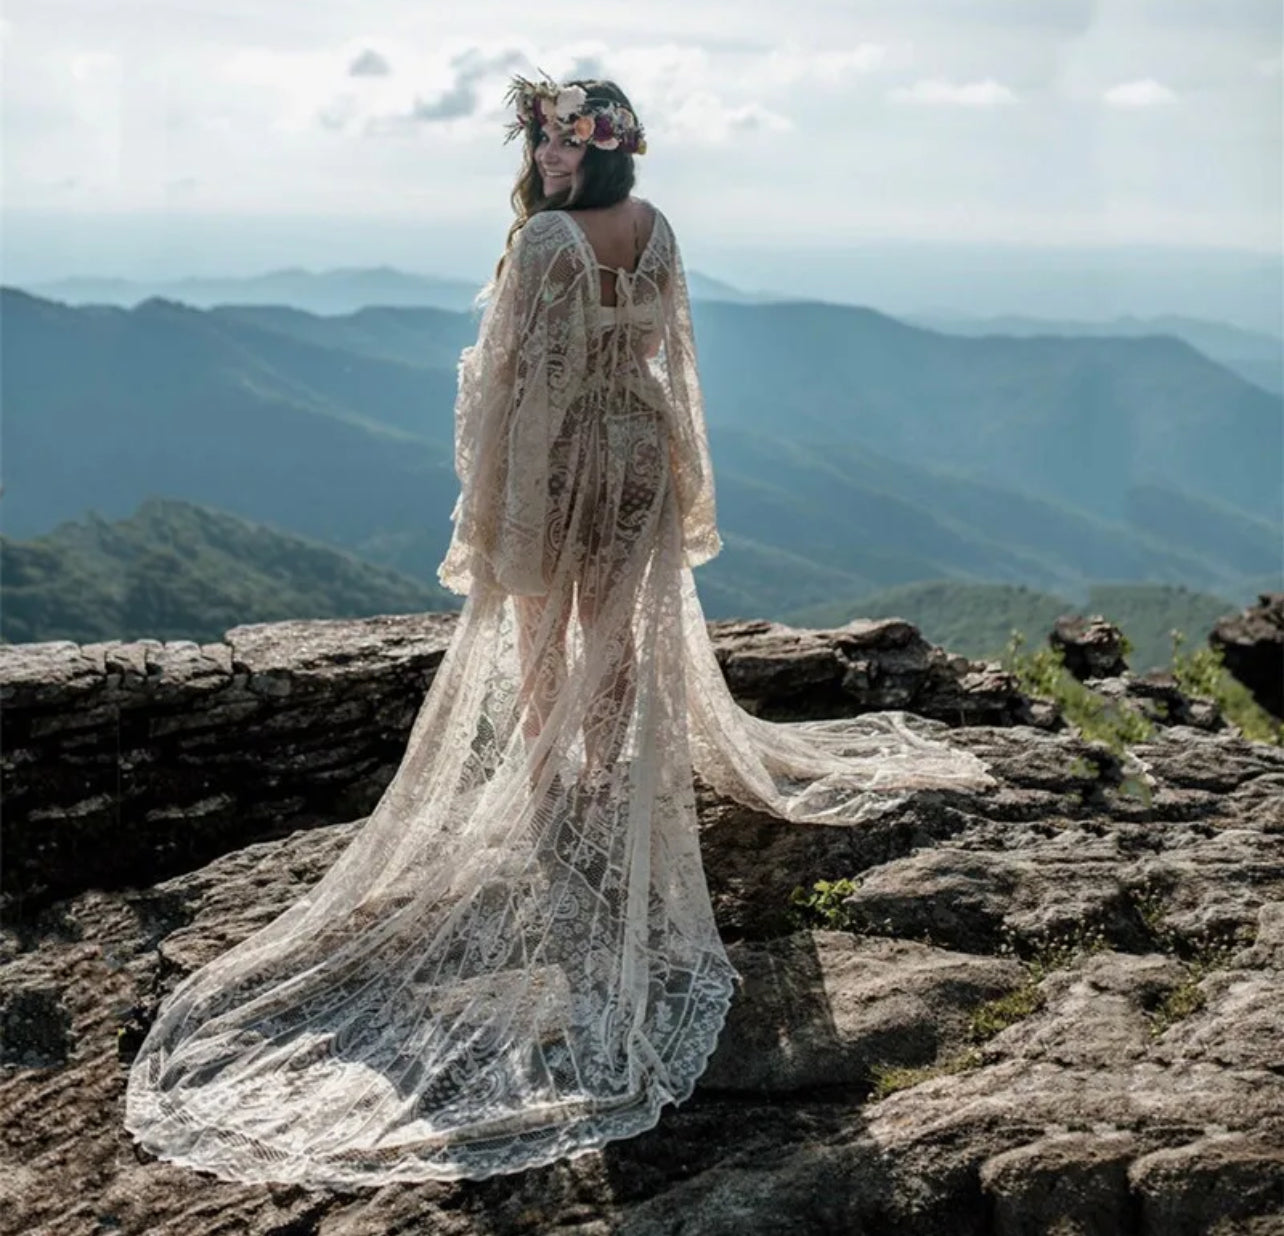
(515, 959)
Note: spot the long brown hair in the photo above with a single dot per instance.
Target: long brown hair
(606, 176)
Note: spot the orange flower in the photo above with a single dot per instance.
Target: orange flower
(583, 128)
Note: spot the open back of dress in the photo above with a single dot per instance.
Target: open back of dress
(516, 959)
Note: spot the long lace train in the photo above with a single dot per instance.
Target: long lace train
(492, 975)
(515, 959)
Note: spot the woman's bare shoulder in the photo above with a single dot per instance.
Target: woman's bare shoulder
(620, 224)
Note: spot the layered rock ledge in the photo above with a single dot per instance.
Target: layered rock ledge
(1053, 1006)
(125, 762)
(1252, 647)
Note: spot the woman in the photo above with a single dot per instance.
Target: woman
(515, 960)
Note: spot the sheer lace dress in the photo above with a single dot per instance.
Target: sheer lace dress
(515, 959)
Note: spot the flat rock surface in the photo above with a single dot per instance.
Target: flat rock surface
(1050, 1007)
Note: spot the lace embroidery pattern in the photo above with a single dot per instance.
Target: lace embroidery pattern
(515, 960)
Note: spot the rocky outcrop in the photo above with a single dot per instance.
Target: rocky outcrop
(785, 673)
(1090, 647)
(1092, 651)
(1252, 647)
(1051, 1006)
(123, 763)
(1156, 696)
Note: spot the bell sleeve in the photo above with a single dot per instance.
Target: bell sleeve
(690, 465)
(516, 384)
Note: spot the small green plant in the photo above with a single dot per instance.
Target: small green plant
(1040, 954)
(824, 905)
(995, 1016)
(1200, 955)
(1043, 673)
(889, 1078)
(1150, 901)
(1209, 949)
(1204, 673)
(1184, 1000)
(1208, 953)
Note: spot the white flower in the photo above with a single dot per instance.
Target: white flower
(570, 101)
(609, 143)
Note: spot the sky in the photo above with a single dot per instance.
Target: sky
(201, 136)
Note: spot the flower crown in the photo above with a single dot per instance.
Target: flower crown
(599, 122)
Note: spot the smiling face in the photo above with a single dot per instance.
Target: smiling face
(558, 156)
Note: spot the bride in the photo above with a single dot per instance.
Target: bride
(515, 959)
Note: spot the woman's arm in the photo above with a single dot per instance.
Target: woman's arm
(515, 386)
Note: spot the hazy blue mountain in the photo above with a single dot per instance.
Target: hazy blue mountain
(1210, 529)
(893, 522)
(1078, 421)
(105, 407)
(327, 291)
(1254, 355)
(421, 337)
(703, 287)
(318, 292)
(175, 570)
(852, 452)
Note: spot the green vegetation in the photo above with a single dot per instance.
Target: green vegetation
(1203, 673)
(823, 906)
(1039, 953)
(889, 1078)
(1099, 719)
(1042, 952)
(995, 1016)
(972, 619)
(1187, 997)
(976, 619)
(1149, 612)
(175, 570)
(1199, 955)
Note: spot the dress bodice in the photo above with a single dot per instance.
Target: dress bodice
(647, 314)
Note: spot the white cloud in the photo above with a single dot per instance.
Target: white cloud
(1144, 93)
(463, 96)
(369, 63)
(937, 93)
(783, 66)
(250, 108)
(704, 119)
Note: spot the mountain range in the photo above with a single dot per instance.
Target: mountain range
(177, 570)
(853, 451)
(1254, 355)
(345, 290)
